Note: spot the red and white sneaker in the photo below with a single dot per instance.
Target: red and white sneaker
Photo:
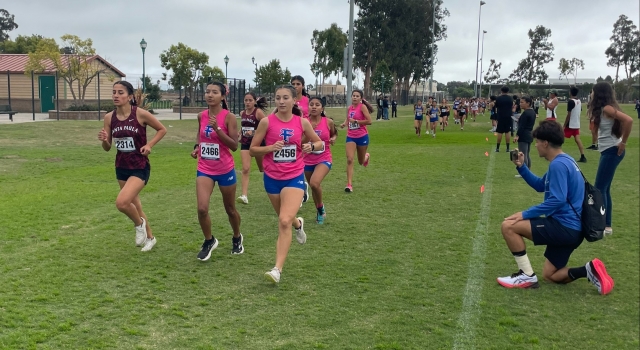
(348, 188)
(366, 160)
(519, 280)
(598, 276)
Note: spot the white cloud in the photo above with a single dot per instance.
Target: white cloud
(282, 29)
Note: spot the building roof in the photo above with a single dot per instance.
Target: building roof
(16, 63)
(578, 81)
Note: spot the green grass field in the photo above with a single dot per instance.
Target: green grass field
(390, 269)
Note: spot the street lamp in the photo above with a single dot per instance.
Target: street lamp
(478, 51)
(382, 77)
(424, 83)
(143, 46)
(226, 66)
(253, 60)
(481, 60)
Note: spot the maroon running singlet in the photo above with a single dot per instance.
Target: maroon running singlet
(129, 137)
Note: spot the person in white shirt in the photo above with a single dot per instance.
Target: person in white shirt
(572, 123)
(551, 104)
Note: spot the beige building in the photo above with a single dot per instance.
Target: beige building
(17, 88)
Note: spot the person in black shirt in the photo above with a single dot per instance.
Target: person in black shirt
(385, 108)
(379, 105)
(638, 108)
(394, 109)
(504, 109)
(526, 122)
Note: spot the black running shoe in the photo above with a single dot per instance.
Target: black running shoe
(207, 248)
(238, 248)
(583, 159)
(593, 147)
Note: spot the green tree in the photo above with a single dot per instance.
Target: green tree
(23, 44)
(623, 50)
(401, 35)
(493, 74)
(77, 70)
(7, 24)
(328, 46)
(570, 67)
(382, 79)
(152, 90)
(540, 52)
(210, 74)
(271, 75)
(186, 65)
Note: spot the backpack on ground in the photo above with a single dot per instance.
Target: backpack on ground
(593, 212)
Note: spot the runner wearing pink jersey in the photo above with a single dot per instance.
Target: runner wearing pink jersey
(318, 163)
(302, 101)
(358, 117)
(284, 168)
(217, 138)
(126, 129)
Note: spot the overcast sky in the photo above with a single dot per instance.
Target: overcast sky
(267, 29)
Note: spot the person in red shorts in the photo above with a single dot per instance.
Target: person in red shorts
(572, 123)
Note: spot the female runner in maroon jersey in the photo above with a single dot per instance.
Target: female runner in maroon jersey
(250, 118)
(126, 126)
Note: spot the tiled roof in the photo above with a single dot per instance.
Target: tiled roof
(17, 63)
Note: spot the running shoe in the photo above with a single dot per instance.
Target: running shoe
(608, 231)
(320, 216)
(207, 247)
(148, 244)
(238, 248)
(301, 237)
(582, 159)
(141, 233)
(273, 276)
(348, 188)
(366, 160)
(593, 147)
(598, 276)
(519, 280)
(242, 199)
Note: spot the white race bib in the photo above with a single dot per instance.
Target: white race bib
(124, 144)
(247, 131)
(210, 151)
(319, 151)
(286, 155)
(354, 126)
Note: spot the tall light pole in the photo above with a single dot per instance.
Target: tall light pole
(349, 67)
(424, 83)
(481, 57)
(143, 46)
(475, 88)
(226, 67)
(382, 78)
(433, 43)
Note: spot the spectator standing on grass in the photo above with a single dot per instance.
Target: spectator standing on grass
(554, 222)
(126, 126)
(613, 127)
(526, 122)
(394, 108)
(551, 104)
(638, 107)
(385, 108)
(379, 106)
(217, 137)
(536, 105)
(504, 109)
(572, 123)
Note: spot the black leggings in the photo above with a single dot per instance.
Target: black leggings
(525, 147)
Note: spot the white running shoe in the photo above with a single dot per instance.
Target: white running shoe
(519, 280)
(148, 244)
(141, 233)
(273, 276)
(300, 235)
(242, 199)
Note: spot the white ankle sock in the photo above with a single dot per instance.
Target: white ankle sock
(524, 264)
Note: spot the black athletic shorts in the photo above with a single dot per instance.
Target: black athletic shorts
(494, 117)
(505, 125)
(143, 174)
(560, 241)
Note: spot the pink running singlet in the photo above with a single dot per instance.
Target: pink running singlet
(214, 157)
(287, 163)
(356, 130)
(318, 156)
(303, 104)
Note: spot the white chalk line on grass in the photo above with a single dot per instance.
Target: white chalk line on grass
(465, 336)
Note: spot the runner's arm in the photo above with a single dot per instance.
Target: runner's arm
(153, 122)
(232, 129)
(106, 144)
(255, 149)
(367, 116)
